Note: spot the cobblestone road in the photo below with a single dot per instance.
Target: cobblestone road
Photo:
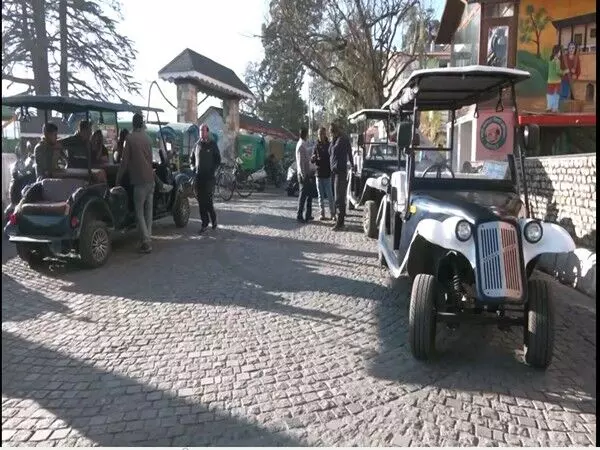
(268, 332)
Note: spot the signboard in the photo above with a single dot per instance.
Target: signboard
(493, 133)
(495, 170)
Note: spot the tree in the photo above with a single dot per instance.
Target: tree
(84, 56)
(277, 84)
(351, 44)
(530, 28)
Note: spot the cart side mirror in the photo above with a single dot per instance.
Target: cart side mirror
(531, 137)
(403, 135)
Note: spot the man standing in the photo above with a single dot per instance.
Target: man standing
(320, 158)
(205, 160)
(47, 152)
(304, 174)
(340, 152)
(137, 162)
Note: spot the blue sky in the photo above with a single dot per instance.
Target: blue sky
(218, 29)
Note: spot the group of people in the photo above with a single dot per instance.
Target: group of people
(324, 170)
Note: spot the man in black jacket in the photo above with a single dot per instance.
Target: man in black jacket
(320, 158)
(205, 159)
(340, 153)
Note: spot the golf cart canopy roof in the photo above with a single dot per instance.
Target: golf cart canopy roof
(452, 88)
(69, 104)
(369, 114)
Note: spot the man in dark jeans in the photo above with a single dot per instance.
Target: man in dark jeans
(205, 160)
(304, 178)
(340, 153)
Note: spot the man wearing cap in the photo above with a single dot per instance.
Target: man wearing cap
(205, 159)
(47, 152)
(137, 162)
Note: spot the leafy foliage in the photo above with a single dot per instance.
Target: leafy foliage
(85, 55)
(531, 27)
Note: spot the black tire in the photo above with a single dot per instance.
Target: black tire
(30, 255)
(539, 325)
(261, 187)
(181, 210)
(421, 321)
(245, 188)
(224, 186)
(94, 243)
(381, 258)
(370, 219)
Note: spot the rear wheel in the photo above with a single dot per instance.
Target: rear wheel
(94, 243)
(539, 331)
(245, 188)
(181, 211)
(370, 219)
(421, 321)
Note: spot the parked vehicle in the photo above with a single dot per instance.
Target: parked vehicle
(22, 174)
(292, 186)
(468, 240)
(274, 171)
(237, 179)
(81, 212)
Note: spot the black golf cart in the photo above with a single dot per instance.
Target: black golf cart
(467, 239)
(81, 210)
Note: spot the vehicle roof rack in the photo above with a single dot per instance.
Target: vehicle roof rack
(452, 88)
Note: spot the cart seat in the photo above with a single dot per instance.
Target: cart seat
(55, 193)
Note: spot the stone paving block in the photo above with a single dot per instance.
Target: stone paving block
(288, 335)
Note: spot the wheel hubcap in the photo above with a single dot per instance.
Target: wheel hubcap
(99, 244)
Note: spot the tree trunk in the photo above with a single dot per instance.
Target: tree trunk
(64, 61)
(39, 49)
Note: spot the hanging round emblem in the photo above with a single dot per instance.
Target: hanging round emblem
(493, 132)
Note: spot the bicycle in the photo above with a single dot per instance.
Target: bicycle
(224, 183)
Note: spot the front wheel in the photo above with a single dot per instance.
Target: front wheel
(370, 219)
(421, 321)
(181, 211)
(539, 326)
(224, 186)
(94, 243)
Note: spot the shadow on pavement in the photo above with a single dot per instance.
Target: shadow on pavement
(113, 410)
(20, 303)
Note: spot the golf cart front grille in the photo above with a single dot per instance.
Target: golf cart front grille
(499, 260)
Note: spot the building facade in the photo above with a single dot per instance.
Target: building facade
(537, 36)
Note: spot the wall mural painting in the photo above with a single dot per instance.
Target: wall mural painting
(557, 45)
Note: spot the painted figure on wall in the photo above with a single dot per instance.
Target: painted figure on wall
(571, 67)
(555, 74)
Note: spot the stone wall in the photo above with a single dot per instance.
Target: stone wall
(562, 189)
(187, 102)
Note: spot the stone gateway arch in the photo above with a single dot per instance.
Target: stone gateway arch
(193, 73)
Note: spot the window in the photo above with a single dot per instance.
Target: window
(593, 33)
(578, 39)
(589, 92)
(506, 9)
(465, 48)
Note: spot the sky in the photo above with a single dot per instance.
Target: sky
(219, 29)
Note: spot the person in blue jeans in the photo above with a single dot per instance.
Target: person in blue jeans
(320, 158)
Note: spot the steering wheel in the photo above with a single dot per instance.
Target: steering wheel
(440, 167)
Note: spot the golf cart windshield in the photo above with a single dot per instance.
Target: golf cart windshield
(381, 151)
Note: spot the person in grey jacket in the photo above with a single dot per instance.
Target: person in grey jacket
(340, 153)
(304, 178)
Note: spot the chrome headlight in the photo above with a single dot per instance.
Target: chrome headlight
(463, 230)
(385, 181)
(533, 232)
